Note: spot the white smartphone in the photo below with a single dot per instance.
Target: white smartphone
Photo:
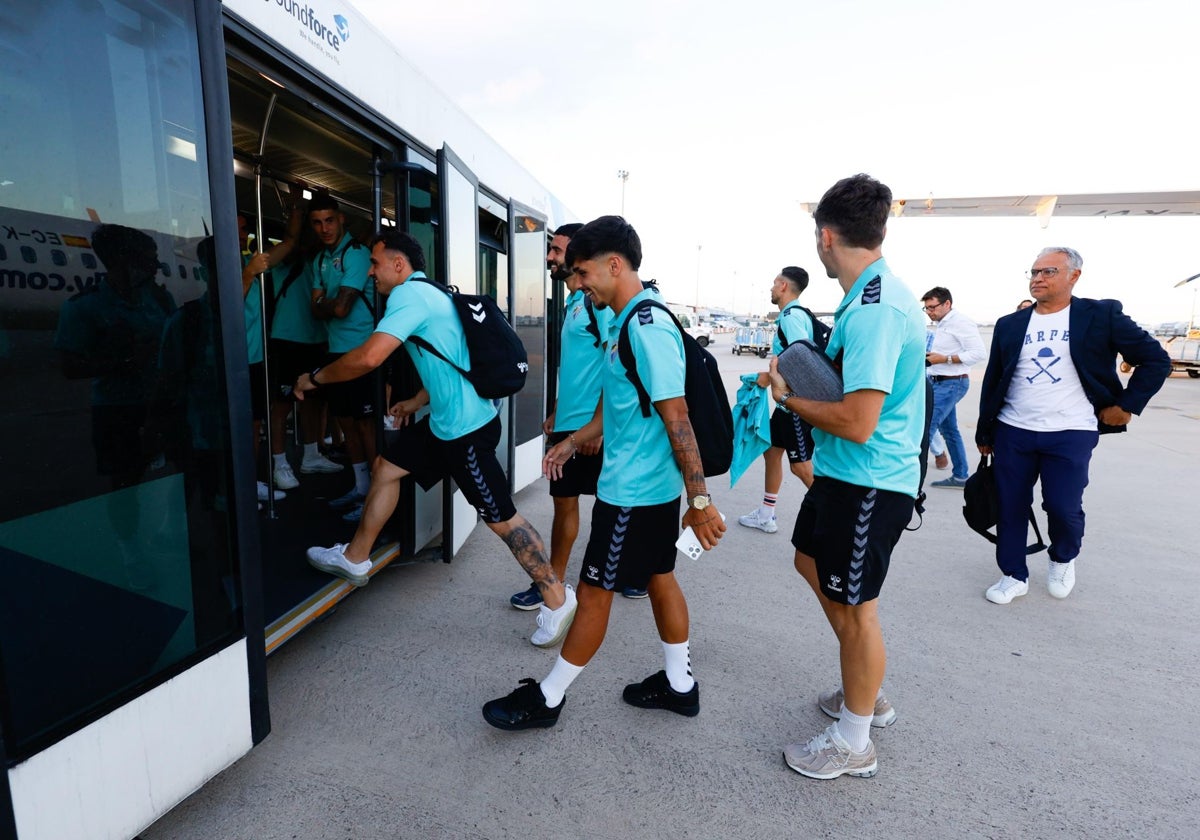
(689, 545)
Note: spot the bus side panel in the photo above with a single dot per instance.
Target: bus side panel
(136, 763)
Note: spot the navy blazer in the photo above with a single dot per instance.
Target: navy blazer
(1099, 331)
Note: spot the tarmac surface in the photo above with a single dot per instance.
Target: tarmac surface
(1038, 719)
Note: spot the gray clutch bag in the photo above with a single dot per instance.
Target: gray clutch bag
(809, 373)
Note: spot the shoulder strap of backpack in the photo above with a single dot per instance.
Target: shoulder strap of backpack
(919, 504)
(422, 343)
(353, 243)
(593, 326)
(625, 351)
(783, 339)
(293, 273)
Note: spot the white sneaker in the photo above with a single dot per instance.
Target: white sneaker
(285, 479)
(1005, 589)
(319, 464)
(553, 624)
(1060, 578)
(753, 520)
(333, 561)
(264, 491)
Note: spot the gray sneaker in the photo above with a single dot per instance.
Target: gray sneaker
(831, 703)
(828, 756)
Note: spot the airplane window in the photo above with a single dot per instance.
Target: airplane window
(58, 257)
(89, 261)
(28, 254)
(182, 272)
(164, 269)
(3, 253)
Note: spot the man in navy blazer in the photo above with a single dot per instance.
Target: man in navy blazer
(1049, 391)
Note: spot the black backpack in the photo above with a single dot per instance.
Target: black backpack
(498, 359)
(593, 326)
(981, 507)
(820, 330)
(708, 405)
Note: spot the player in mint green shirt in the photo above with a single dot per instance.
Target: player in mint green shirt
(635, 520)
(581, 357)
(344, 299)
(866, 467)
(789, 433)
(458, 439)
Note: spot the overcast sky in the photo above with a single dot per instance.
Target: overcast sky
(728, 115)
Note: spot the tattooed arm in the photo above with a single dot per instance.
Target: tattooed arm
(706, 523)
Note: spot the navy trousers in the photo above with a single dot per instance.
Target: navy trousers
(1061, 460)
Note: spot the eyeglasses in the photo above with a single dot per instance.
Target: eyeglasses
(935, 306)
(1045, 272)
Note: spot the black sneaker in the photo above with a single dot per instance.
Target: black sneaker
(525, 708)
(655, 692)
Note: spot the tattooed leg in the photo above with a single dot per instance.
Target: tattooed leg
(526, 545)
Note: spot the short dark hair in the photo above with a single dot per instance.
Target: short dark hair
(569, 229)
(795, 275)
(939, 293)
(857, 208)
(323, 201)
(119, 246)
(406, 244)
(606, 235)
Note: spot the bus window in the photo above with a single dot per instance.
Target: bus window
(119, 542)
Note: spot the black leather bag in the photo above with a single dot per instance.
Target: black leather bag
(981, 505)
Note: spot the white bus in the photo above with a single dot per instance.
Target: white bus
(142, 587)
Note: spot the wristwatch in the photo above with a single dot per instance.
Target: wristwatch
(312, 376)
(782, 401)
(699, 502)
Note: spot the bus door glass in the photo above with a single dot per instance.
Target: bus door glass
(294, 155)
(527, 260)
(460, 267)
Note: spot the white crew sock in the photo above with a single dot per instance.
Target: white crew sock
(767, 509)
(311, 452)
(280, 460)
(856, 729)
(679, 666)
(555, 686)
(362, 477)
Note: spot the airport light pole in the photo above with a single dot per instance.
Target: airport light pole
(623, 174)
(698, 249)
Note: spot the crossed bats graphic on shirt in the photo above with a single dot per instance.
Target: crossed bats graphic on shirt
(1044, 353)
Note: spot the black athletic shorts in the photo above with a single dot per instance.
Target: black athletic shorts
(290, 359)
(579, 474)
(629, 545)
(354, 399)
(470, 460)
(258, 390)
(850, 532)
(792, 435)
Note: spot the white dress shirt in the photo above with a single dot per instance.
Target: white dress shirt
(956, 335)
